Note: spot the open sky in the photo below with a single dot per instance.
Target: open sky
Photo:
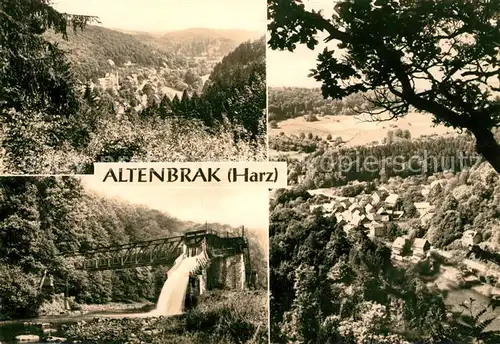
(171, 15)
(287, 69)
(290, 69)
(247, 207)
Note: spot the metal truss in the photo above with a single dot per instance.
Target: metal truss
(160, 251)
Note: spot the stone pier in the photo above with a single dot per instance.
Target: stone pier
(203, 281)
(226, 273)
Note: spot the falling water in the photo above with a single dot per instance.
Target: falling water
(173, 293)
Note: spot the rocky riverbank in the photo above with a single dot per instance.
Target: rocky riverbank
(226, 317)
(219, 317)
(60, 305)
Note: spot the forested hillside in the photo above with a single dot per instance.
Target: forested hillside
(149, 106)
(200, 42)
(234, 96)
(291, 102)
(43, 217)
(89, 51)
(338, 286)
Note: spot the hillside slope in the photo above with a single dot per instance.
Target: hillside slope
(41, 218)
(196, 42)
(90, 49)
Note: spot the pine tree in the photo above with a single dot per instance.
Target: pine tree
(35, 79)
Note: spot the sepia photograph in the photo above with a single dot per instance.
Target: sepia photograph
(112, 81)
(87, 262)
(387, 114)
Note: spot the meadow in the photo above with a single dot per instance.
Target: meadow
(360, 130)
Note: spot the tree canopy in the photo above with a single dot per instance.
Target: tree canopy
(434, 56)
(44, 217)
(68, 99)
(35, 77)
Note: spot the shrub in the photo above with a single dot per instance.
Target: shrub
(311, 118)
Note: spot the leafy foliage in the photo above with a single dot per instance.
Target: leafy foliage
(54, 123)
(438, 57)
(42, 217)
(291, 102)
(329, 286)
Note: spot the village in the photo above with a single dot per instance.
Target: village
(376, 211)
(137, 86)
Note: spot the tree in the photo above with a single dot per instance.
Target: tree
(36, 84)
(435, 56)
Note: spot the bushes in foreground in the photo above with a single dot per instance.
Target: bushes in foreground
(220, 317)
(123, 140)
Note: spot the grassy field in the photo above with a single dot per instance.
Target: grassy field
(358, 130)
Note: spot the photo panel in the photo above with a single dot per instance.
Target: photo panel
(89, 262)
(387, 115)
(112, 81)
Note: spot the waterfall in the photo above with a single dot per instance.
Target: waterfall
(173, 292)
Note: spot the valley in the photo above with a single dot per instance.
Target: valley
(392, 228)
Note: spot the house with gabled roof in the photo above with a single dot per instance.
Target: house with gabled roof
(347, 227)
(364, 221)
(391, 200)
(356, 212)
(377, 229)
(399, 247)
(426, 218)
(425, 191)
(313, 207)
(341, 222)
(376, 199)
(370, 208)
(382, 188)
(363, 202)
(471, 238)
(420, 248)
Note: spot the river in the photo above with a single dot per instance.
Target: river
(10, 329)
(170, 302)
